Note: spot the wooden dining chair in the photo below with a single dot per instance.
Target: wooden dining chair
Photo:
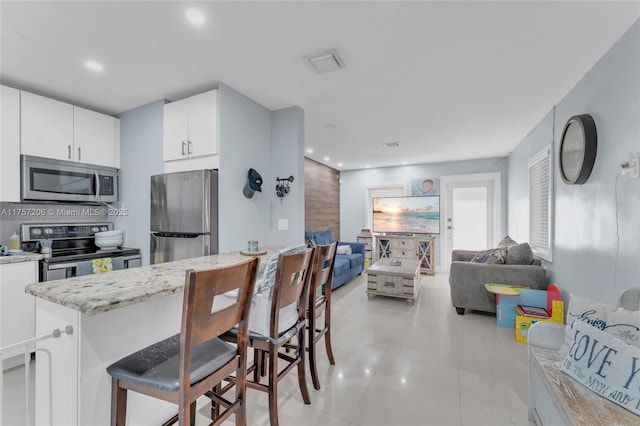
(190, 364)
(285, 339)
(319, 302)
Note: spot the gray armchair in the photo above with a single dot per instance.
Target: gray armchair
(467, 280)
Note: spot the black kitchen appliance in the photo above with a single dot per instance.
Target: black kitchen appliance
(72, 249)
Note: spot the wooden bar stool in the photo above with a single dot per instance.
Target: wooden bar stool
(188, 365)
(286, 321)
(319, 302)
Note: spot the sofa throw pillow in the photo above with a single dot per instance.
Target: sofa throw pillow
(604, 364)
(623, 324)
(519, 254)
(506, 242)
(493, 256)
(343, 249)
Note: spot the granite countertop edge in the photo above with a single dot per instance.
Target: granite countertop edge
(96, 294)
(19, 258)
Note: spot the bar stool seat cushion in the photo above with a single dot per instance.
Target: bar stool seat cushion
(157, 366)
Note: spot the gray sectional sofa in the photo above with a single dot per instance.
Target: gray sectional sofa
(467, 280)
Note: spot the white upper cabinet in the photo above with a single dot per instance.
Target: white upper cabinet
(47, 127)
(54, 129)
(191, 127)
(94, 137)
(10, 144)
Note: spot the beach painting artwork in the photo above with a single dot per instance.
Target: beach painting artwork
(424, 186)
(416, 215)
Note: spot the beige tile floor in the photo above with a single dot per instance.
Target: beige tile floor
(402, 365)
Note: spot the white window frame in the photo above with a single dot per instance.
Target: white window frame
(375, 191)
(540, 184)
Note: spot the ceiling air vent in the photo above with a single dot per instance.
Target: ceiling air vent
(326, 61)
(391, 144)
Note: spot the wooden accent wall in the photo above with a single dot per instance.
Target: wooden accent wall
(321, 198)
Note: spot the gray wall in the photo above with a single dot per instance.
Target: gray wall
(287, 142)
(141, 138)
(596, 242)
(245, 142)
(355, 183)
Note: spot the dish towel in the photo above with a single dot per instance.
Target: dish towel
(99, 266)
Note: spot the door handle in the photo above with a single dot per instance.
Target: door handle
(184, 145)
(69, 152)
(450, 227)
(79, 155)
(189, 146)
(97, 184)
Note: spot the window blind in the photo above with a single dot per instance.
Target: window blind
(540, 186)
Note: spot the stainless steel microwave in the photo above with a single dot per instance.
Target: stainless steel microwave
(47, 179)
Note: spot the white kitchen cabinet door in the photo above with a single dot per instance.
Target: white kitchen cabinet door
(175, 124)
(191, 127)
(46, 127)
(9, 144)
(203, 124)
(17, 307)
(94, 137)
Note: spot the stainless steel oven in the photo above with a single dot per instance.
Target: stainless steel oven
(46, 179)
(73, 249)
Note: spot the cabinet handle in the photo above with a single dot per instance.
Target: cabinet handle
(184, 145)
(79, 155)
(389, 284)
(69, 152)
(189, 146)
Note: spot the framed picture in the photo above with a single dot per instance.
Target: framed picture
(424, 186)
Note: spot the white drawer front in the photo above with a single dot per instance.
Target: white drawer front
(405, 244)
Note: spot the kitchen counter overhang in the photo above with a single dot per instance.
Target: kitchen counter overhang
(94, 294)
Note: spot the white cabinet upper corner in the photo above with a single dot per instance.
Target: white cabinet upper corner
(94, 137)
(17, 316)
(55, 129)
(9, 144)
(191, 130)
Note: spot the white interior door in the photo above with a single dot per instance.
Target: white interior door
(471, 214)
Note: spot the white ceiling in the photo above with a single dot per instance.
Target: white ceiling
(448, 80)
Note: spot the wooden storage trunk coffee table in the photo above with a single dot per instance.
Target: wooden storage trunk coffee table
(386, 278)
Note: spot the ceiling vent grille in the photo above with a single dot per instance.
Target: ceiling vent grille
(326, 61)
(391, 144)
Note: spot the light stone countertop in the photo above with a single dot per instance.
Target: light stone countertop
(94, 294)
(20, 257)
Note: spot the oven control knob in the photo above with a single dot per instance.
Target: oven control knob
(103, 228)
(48, 231)
(95, 229)
(36, 231)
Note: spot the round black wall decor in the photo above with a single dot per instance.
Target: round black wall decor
(578, 148)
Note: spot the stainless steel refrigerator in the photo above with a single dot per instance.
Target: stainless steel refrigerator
(184, 215)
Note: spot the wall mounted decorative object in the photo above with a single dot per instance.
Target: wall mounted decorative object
(254, 183)
(282, 188)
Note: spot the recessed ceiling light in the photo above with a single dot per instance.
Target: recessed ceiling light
(330, 125)
(309, 150)
(195, 16)
(327, 158)
(94, 66)
(391, 144)
(339, 164)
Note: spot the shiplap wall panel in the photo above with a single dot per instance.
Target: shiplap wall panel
(321, 197)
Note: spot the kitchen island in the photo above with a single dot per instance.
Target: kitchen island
(112, 315)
